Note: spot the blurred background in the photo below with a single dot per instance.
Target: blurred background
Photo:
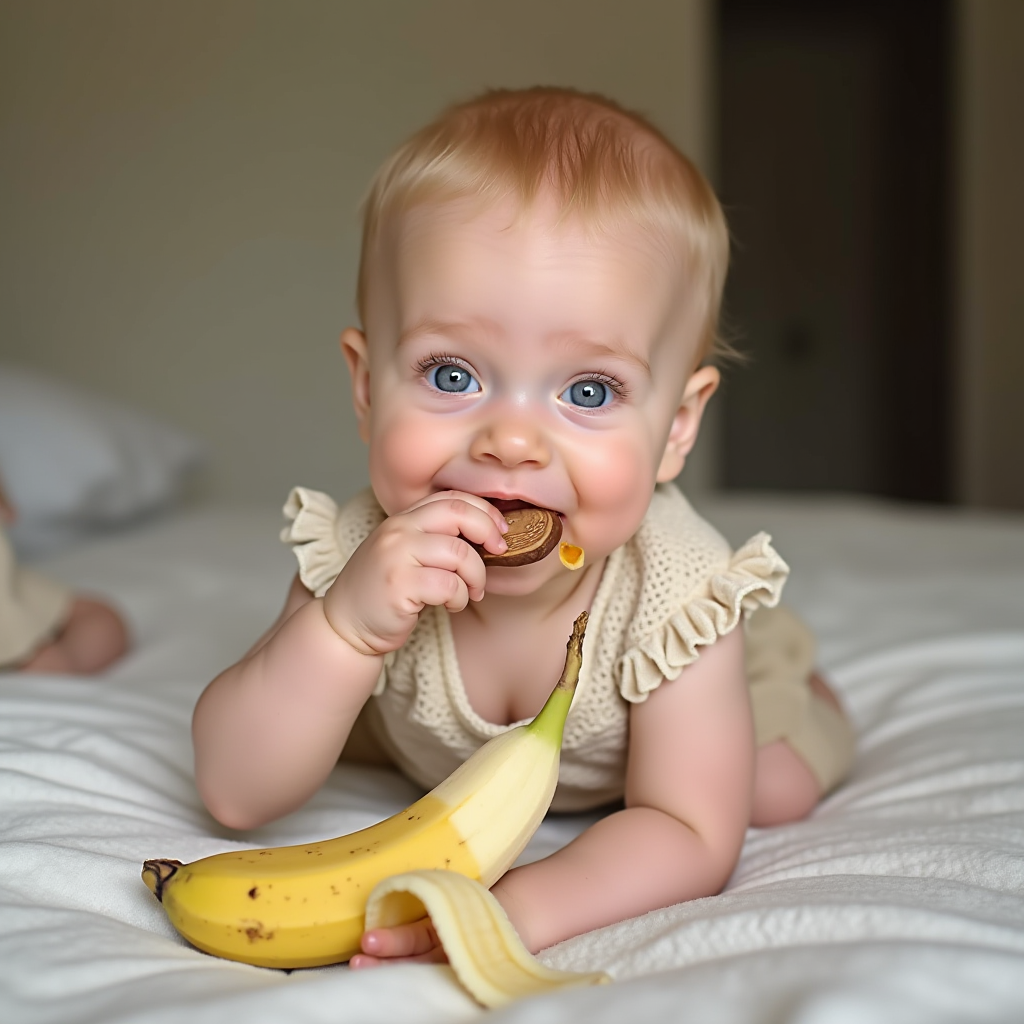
(180, 182)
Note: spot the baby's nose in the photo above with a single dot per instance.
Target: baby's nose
(511, 440)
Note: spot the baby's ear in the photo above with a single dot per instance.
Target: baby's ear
(353, 347)
(686, 423)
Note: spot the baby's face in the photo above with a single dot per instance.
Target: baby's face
(521, 359)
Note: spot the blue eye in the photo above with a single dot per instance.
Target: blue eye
(587, 394)
(453, 378)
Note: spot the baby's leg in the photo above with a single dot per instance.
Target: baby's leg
(93, 636)
(785, 788)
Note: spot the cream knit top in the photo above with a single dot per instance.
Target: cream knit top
(673, 587)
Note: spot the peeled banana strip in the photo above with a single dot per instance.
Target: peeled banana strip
(483, 948)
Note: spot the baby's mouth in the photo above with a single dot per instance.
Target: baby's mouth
(533, 533)
(504, 505)
(509, 504)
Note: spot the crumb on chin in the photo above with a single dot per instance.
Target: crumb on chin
(570, 555)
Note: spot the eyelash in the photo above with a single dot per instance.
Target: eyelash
(439, 359)
(428, 362)
(603, 378)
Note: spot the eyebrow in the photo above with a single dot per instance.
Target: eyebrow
(430, 325)
(567, 340)
(602, 348)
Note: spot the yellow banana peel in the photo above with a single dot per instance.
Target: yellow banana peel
(483, 948)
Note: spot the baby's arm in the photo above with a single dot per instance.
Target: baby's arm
(688, 794)
(258, 749)
(689, 786)
(268, 730)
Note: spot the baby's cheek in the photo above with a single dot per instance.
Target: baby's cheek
(403, 457)
(616, 487)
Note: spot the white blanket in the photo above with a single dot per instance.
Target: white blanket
(900, 900)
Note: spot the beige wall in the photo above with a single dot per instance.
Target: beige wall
(180, 181)
(990, 265)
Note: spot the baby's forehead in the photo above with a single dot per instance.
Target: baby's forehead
(448, 221)
(447, 268)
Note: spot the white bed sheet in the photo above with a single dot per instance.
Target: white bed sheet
(900, 900)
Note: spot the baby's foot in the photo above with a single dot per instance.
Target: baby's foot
(93, 637)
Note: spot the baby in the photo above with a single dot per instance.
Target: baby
(46, 628)
(539, 291)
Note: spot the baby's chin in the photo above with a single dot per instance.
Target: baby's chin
(525, 580)
(517, 582)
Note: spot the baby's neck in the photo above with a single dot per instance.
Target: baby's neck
(510, 650)
(570, 592)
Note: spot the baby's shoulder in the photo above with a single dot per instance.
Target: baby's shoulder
(679, 586)
(677, 553)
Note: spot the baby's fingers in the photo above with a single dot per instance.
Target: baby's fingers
(440, 587)
(363, 960)
(455, 557)
(416, 941)
(453, 514)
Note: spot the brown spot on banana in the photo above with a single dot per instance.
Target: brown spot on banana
(254, 932)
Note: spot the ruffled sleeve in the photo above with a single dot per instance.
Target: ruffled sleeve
(323, 537)
(735, 585)
(312, 517)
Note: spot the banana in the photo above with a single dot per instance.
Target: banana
(482, 946)
(303, 906)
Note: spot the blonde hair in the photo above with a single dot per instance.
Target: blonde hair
(604, 164)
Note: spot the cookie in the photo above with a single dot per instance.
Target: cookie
(532, 534)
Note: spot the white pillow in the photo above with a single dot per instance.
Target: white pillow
(73, 462)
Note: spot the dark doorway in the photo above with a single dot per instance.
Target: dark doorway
(834, 172)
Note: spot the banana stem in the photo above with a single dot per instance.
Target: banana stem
(550, 721)
(157, 873)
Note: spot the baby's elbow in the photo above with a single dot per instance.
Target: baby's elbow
(230, 813)
(225, 805)
(692, 858)
(714, 865)
(719, 840)
(722, 836)
(721, 862)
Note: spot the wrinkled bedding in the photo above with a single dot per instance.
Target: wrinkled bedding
(900, 900)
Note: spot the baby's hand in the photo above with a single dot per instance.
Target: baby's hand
(416, 558)
(406, 943)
